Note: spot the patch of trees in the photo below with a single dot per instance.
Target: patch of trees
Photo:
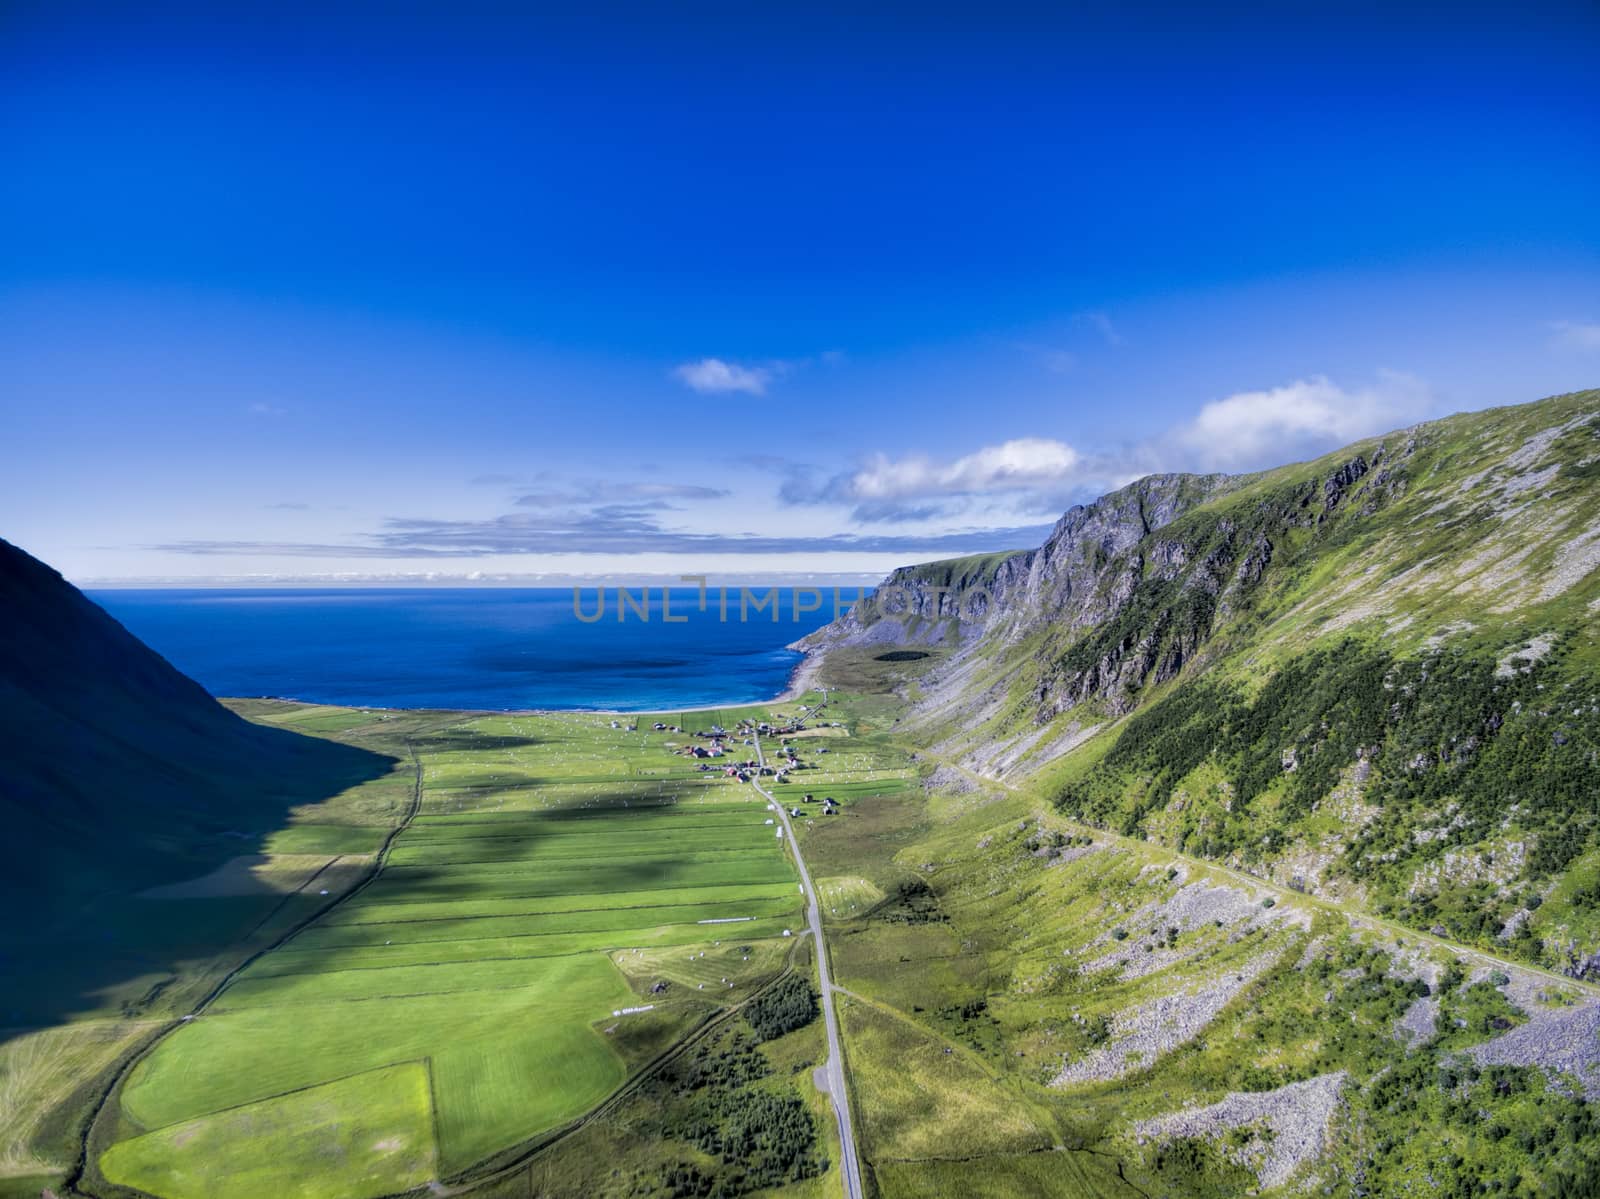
(1531, 1138)
(730, 1063)
(765, 1140)
(1193, 1166)
(788, 1004)
(720, 1098)
(912, 902)
(1452, 745)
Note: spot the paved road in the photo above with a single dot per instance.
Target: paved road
(834, 1069)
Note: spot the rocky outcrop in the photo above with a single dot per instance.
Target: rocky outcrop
(1081, 575)
(1160, 578)
(1124, 594)
(1290, 1126)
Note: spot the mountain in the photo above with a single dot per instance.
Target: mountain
(1372, 677)
(116, 770)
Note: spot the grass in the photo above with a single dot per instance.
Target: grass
(654, 1140)
(369, 1134)
(1042, 1175)
(920, 1099)
(556, 872)
(82, 991)
(976, 992)
(39, 1071)
(848, 895)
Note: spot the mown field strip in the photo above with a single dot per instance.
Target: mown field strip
(364, 912)
(754, 835)
(442, 786)
(622, 825)
(472, 854)
(638, 815)
(575, 920)
(587, 920)
(529, 948)
(478, 927)
(460, 883)
(632, 828)
(380, 983)
(488, 854)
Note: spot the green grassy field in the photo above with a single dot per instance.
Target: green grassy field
(729, 1115)
(368, 1132)
(565, 900)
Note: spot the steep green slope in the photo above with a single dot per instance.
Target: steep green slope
(115, 769)
(1370, 676)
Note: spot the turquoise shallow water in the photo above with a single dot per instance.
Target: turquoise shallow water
(469, 648)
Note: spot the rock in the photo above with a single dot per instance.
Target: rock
(1339, 482)
(1296, 1117)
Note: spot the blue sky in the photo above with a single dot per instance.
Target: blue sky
(477, 288)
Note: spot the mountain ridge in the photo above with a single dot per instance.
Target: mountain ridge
(1329, 673)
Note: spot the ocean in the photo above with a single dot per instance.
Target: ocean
(481, 648)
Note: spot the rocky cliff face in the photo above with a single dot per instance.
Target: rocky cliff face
(1370, 675)
(1169, 573)
(961, 599)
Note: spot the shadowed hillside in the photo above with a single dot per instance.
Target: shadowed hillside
(152, 841)
(115, 769)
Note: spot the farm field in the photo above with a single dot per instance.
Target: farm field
(737, 1110)
(564, 901)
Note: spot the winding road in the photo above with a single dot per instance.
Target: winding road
(833, 1070)
(1352, 913)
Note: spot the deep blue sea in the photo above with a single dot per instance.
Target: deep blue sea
(489, 648)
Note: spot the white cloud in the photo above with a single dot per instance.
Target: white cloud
(262, 409)
(1026, 462)
(713, 375)
(1254, 429)
(1027, 476)
(1577, 335)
